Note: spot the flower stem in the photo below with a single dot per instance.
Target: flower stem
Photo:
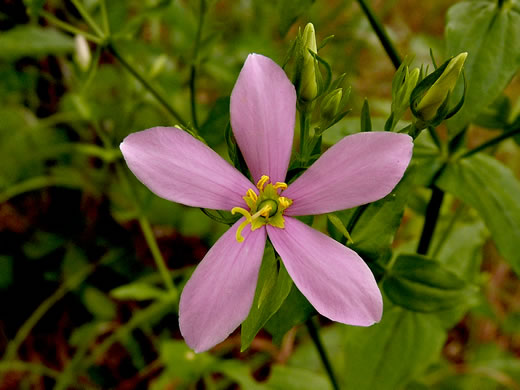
(28, 325)
(157, 255)
(430, 220)
(147, 85)
(69, 28)
(315, 336)
(381, 34)
(304, 132)
(86, 16)
(491, 142)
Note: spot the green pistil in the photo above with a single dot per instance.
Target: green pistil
(269, 202)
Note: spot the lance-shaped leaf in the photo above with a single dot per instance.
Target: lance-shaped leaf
(388, 355)
(490, 33)
(420, 284)
(271, 290)
(493, 190)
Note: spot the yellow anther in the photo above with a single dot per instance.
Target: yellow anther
(252, 194)
(264, 179)
(280, 185)
(284, 202)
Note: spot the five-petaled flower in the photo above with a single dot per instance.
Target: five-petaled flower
(359, 169)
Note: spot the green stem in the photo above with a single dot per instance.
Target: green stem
(40, 311)
(157, 255)
(315, 336)
(435, 136)
(147, 85)
(491, 142)
(143, 316)
(36, 183)
(32, 368)
(430, 220)
(381, 33)
(86, 16)
(104, 16)
(304, 131)
(69, 28)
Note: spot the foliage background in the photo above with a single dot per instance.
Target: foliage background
(82, 305)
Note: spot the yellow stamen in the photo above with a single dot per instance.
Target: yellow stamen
(241, 227)
(264, 179)
(284, 202)
(281, 185)
(252, 195)
(264, 212)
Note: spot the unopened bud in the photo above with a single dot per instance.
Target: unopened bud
(330, 104)
(438, 92)
(82, 52)
(309, 85)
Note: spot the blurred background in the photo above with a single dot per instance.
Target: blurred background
(82, 305)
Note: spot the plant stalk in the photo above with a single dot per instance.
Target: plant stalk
(147, 85)
(381, 34)
(430, 220)
(492, 142)
(315, 336)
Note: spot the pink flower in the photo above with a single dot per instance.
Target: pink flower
(359, 169)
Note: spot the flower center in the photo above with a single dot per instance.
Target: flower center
(266, 207)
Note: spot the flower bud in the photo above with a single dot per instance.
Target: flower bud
(82, 54)
(309, 85)
(330, 104)
(434, 98)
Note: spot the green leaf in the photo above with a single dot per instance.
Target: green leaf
(295, 310)
(493, 190)
(291, 378)
(138, 291)
(387, 355)
(34, 7)
(374, 231)
(271, 291)
(424, 285)
(218, 118)
(460, 253)
(240, 373)
(98, 303)
(182, 363)
(289, 11)
(491, 36)
(366, 123)
(33, 41)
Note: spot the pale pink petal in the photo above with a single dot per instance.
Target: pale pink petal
(176, 166)
(219, 294)
(263, 109)
(334, 279)
(361, 168)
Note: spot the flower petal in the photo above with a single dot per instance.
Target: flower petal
(361, 168)
(334, 279)
(220, 293)
(263, 109)
(176, 166)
